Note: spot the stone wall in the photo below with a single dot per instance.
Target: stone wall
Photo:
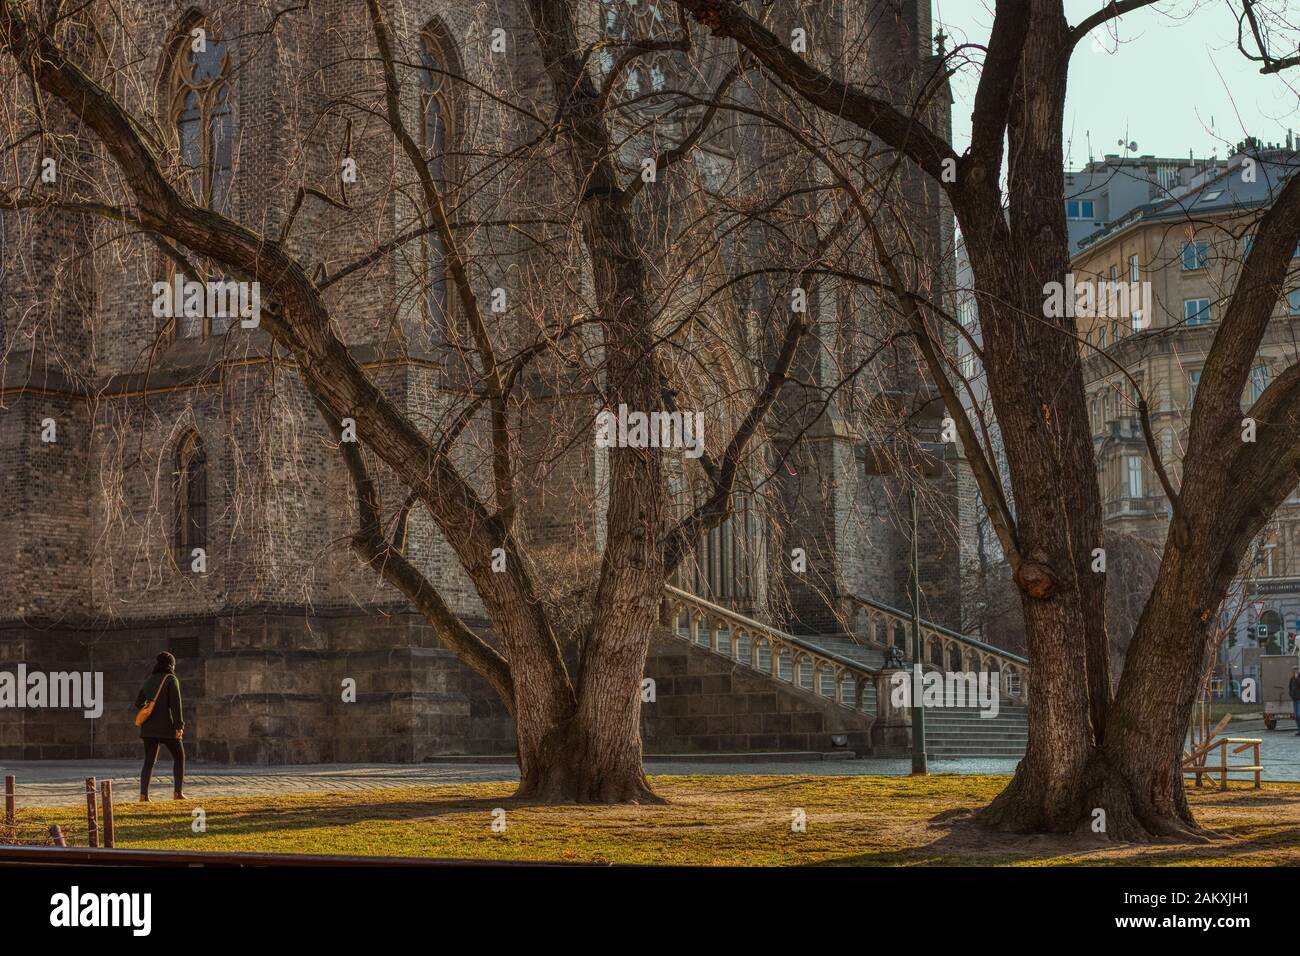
(705, 703)
(266, 688)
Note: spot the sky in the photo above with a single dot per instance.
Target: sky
(1174, 82)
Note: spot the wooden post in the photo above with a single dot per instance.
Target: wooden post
(92, 827)
(11, 798)
(1223, 765)
(106, 798)
(57, 835)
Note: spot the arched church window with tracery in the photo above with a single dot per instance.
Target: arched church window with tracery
(198, 90)
(628, 21)
(201, 113)
(438, 136)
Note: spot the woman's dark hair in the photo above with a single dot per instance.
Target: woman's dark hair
(166, 664)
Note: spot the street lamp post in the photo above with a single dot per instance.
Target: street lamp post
(929, 464)
(920, 762)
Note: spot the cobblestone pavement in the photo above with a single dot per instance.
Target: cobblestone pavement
(62, 782)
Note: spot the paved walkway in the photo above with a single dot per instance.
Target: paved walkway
(62, 782)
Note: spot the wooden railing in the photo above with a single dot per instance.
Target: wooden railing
(785, 657)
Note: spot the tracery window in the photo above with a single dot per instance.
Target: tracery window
(198, 89)
(629, 20)
(438, 134)
(201, 115)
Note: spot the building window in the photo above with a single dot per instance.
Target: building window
(626, 21)
(966, 313)
(1196, 311)
(191, 486)
(1193, 382)
(1293, 301)
(1134, 476)
(1196, 255)
(968, 365)
(200, 111)
(202, 122)
(438, 112)
(1258, 381)
(1134, 274)
(1079, 209)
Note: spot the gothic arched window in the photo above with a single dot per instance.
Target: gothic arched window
(197, 94)
(200, 113)
(191, 486)
(438, 131)
(624, 21)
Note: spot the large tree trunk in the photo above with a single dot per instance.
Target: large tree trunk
(1033, 365)
(594, 756)
(581, 763)
(1136, 776)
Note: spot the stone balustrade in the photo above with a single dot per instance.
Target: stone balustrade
(785, 657)
(803, 664)
(942, 649)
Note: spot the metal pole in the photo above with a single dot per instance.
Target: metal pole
(920, 763)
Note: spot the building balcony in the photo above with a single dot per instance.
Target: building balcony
(1148, 506)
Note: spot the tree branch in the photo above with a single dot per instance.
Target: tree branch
(879, 117)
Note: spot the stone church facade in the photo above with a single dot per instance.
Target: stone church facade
(185, 435)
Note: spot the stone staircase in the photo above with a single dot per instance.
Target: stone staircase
(962, 732)
(846, 669)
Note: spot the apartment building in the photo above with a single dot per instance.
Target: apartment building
(1164, 272)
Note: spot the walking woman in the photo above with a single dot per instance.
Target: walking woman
(164, 724)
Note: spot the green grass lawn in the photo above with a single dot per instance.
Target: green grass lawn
(709, 820)
(1236, 708)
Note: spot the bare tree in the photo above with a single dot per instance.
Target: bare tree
(1087, 748)
(630, 308)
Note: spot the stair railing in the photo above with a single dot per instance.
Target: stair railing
(942, 648)
(787, 658)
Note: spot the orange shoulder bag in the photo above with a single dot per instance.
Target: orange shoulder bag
(147, 709)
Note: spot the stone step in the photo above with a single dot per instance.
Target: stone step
(950, 731)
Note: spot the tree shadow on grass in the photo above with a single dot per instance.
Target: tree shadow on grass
(240, 821)
(966, 843)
